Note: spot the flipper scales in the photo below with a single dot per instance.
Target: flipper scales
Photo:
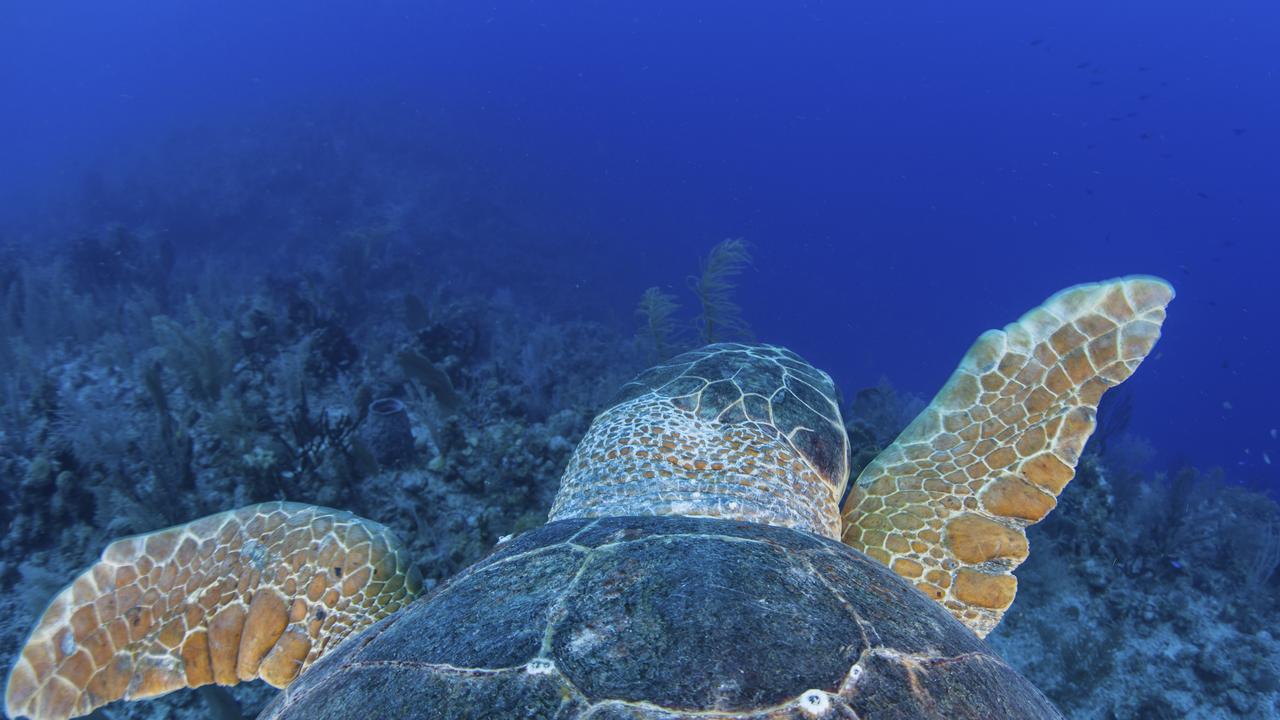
(947, 504)
(259, 592)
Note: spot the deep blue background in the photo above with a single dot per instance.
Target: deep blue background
(908, 174)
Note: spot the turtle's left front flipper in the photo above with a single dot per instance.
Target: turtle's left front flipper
(946, 505)
(259, 592)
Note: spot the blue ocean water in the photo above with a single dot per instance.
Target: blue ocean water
(905, 176)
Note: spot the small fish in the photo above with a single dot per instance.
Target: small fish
(1273, 433)
(1226, 405)
(1266, 458)
(1238, 131)
(1202, 196)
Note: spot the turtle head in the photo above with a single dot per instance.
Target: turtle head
(741, 432)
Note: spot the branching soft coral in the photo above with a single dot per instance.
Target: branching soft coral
(721, 317)
(656, 311)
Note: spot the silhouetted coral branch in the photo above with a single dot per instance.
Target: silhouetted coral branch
(656, 311)
(721, 317)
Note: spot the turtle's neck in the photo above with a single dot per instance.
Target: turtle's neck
(646, 456)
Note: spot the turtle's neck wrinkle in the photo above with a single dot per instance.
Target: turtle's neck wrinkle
(647, 457)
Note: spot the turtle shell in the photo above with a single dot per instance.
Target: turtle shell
(666, 617)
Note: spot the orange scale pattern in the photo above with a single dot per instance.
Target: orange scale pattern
(946, 506)
(259, 592)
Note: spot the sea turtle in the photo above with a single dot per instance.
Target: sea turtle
(701, 560)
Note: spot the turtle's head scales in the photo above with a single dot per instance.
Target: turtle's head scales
(743, 432)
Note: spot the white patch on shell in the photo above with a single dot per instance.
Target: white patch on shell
(815, 702)
(855, 674)
(504, 538)
(68, 644)
(583, 640)
(540, 666)
(255, 553)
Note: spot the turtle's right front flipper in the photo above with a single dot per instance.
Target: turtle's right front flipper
(259, 592)
(947, 504)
